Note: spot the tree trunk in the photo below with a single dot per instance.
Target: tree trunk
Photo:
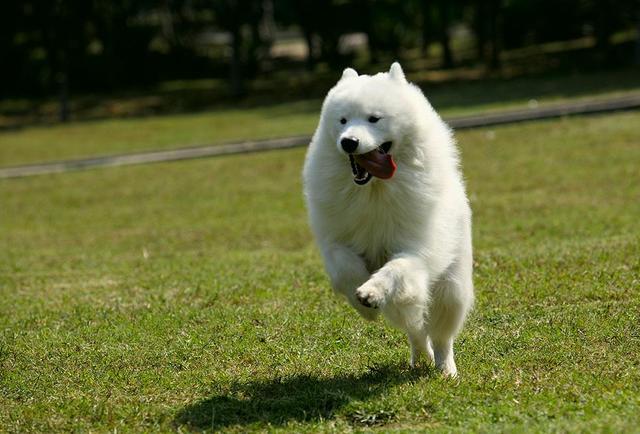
(495, 32)
(311, 52)
(267, 26)
(237, 79)
(425, 31)
(445, 40)
(637, 57)
(480, 29)
(447, 57)
(603, 28)
(63, 96)
(253, 53)
(166, 21)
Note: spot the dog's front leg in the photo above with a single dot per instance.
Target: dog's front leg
(347, 272)
(400, 290)
(403, 279)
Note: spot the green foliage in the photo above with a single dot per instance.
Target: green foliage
(189, 296)
(50, 46)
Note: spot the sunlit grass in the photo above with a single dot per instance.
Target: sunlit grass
(190, 296)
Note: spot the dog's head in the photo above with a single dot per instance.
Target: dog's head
(371, 121)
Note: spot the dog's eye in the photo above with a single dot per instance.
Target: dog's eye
(373, 119)
(343, 121)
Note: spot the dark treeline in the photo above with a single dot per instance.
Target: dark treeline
(49, 46)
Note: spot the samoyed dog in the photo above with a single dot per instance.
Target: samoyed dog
(389, 212)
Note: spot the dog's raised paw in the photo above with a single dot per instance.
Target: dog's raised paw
(370, 295)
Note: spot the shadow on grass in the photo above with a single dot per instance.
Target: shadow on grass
(300, 398)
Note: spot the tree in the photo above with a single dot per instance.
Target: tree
(637, 54)
(495, 32)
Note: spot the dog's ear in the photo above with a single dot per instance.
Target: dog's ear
(396, 73)
(348, 73)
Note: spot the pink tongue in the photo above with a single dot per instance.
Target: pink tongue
(377, 163)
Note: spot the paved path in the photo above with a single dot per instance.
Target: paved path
(483, 120)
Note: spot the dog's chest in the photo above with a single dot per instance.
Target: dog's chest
(373, 223)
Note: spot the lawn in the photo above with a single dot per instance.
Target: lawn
(260, 120)
(189, 296)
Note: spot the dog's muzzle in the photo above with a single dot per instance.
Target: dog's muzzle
(378, 163)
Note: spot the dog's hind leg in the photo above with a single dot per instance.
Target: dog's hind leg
(443, 354)
(410, 318)
(399, 288)
(452, 298)
(445, 320)
(420, 344)
(430, 354)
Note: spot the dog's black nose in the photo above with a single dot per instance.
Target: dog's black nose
(349, 145)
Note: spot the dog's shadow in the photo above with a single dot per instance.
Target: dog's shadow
(298, 398)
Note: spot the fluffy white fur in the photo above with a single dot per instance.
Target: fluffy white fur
(400, 246)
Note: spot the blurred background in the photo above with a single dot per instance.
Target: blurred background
(85, 59)
(190, 296)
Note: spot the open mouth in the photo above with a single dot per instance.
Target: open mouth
(378, 163)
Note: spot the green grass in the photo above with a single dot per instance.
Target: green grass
(100, 137)
(81, 139)
(189, 296)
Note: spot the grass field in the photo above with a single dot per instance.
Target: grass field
(33, 144)
(189, 296)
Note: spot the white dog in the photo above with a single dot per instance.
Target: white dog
(388, 208)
